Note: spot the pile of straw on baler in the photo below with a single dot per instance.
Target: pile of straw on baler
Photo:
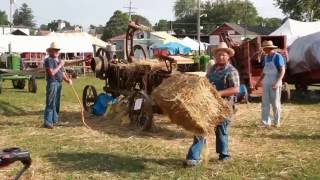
(191, 102)
(141, 66)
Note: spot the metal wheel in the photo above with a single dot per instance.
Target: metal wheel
(32, 84)
(141, 114)
(88, 97)
(19, 84)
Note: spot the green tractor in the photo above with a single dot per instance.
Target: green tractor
(11, 68)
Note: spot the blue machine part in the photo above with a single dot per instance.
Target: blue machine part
(101, 104)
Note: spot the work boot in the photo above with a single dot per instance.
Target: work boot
(192, 163)
(48, 126)
(224, 157)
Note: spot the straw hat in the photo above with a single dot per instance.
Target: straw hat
(224, 47)
(268, 44)
(54, 45)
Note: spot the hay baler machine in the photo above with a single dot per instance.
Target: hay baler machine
(131, 78)
(247, 60)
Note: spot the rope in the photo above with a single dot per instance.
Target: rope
(81, 107)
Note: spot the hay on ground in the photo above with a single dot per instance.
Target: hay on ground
(191, 102)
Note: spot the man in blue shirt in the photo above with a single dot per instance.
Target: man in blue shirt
(55, 75)
(273, 73)
(225, 78)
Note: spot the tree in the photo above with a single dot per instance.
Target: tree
(116, 25)
(272, 22)
(23, 16)
(183, 8)
(44, 27)
(141, 20)
(54, 25)
(3, 18)
(162, 25)
(306, 10)
(218, 12)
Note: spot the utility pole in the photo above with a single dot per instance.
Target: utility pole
(246, 20)
(10, 15)
(198, 26)
(130, 8)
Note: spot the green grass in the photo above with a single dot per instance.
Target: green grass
(112, 151)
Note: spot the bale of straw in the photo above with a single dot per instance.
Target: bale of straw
(191, 102)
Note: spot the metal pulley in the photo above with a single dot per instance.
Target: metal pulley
(100, 66)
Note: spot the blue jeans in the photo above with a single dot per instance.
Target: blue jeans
(222, 149)
(53, 94)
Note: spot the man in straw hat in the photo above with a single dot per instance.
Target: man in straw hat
(55, 75)
(273, 73)
(226, 80)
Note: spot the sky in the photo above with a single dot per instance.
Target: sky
(98, 12)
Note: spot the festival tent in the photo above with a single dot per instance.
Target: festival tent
(80, 35)
(20, 44)
(294, 29)
(69, 43)
(194, 45)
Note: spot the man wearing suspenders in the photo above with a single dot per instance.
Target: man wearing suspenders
(226, 80)
(273, 73)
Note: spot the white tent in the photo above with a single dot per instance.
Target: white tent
(194, 45)
(294, 29)
(69, 43)
(80, 35)
(20, 44)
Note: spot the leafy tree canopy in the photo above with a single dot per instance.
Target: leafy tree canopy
(23, 16)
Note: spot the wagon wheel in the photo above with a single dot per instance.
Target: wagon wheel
(285, 92)
(88, 97)
(32, 84)
(141, 113)
(19, 84)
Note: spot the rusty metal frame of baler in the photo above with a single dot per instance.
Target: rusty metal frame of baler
(133, 27)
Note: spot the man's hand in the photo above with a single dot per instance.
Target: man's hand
(61, 64)
(276, 85)
(70, 81)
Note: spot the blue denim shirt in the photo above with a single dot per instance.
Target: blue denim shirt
(51, 63)
(225, 78)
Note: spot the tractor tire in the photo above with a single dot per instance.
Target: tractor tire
(32, 85)
(15, 84)
(301, 87)
(19, 84)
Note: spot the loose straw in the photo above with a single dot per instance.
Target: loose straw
(81, 107)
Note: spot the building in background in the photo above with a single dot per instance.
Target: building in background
(5, 30)
(238, 32)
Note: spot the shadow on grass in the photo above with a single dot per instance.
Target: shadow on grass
(101, 162)
(300, 98)
(10, 110)
(73, 119)
(305, 98)
(294, 136)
